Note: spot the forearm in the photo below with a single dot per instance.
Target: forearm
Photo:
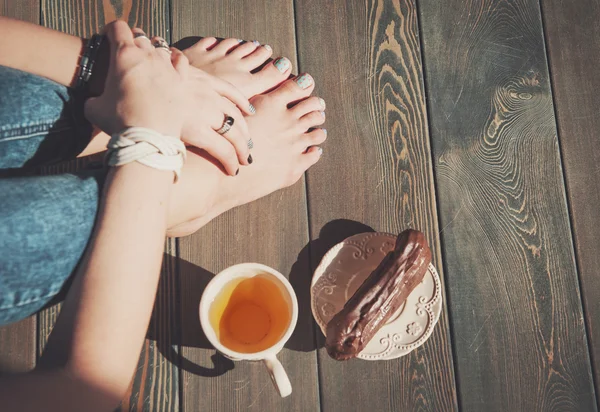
(103, 322)
(39, 50)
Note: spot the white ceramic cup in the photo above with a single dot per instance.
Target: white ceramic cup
(268, 356)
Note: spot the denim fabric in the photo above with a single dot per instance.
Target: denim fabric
(45, 221)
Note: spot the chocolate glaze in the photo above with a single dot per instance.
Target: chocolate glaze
(379, 297)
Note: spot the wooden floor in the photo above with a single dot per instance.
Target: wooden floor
(475, 121)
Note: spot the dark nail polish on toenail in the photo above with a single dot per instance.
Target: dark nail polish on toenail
(252, 108)
(282, 64)
(250, 160)
(305, 80)
(268, 48)
(238, 172)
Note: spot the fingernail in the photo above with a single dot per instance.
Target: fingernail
(256, 42)
(252, 108)
(305, 80)
(282, 64)
(320, 150)
(250, 160)
(268, 48)
(322, 102)
(238, 172)
(322, 113)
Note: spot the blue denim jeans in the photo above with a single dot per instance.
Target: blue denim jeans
(45, 221)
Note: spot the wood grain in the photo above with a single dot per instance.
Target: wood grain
(573, 44)
(519, 338)
(17, 341)
(155, 386)
(272, 231)
(376, 171)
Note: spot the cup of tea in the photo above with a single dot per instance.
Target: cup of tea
(248, 312)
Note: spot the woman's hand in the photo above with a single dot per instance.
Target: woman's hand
(213, 99)
(145, 86)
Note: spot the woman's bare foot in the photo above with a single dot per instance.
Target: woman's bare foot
(284, 148)
(235, 61)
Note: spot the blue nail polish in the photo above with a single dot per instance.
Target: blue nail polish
(252, 108)
(304, 81)
(256, 42)
(324, 131)
(322, 113)
(268, 48)
(282, 64)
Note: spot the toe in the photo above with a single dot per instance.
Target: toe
(308, 105)
(294, 89)
(269, 77)
(260, 55)
(225, 46)
(243, 50)
(206, 43)
(312, 119)
(311, 157)
(313, 138)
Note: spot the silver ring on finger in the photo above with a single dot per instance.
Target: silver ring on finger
(250, 144)
(227, 124)
(161, 44)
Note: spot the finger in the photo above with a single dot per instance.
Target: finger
(180, 62)
(239, 141)
(162, 47)
(140, 39)
(227, 90)
(119, 33)
(224, 152)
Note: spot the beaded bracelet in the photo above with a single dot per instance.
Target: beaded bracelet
(87, 60)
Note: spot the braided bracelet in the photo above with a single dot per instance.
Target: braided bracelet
(146, 146)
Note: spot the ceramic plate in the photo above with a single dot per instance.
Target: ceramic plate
(345, 267)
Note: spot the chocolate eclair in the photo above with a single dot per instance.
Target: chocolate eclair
(379, 297)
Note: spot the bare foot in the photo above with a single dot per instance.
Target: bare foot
(229, 60)
(235, 61)
(284, 149)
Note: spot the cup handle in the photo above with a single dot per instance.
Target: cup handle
(278, 376)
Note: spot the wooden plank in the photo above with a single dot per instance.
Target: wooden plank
(17, 341)
(28, 10)
(248, 234)
(519, 338)
(573, 44)
(376, 170)
(156, 383)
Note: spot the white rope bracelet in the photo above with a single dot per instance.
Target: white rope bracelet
(146, 146)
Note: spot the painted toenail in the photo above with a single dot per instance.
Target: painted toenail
(240, 40)
(252, 108)
(268, 48)
(304, 81)
(324, 131)
(320, 149)
(322, 113)
(256, 42)
(322, 102)
(282, 64)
